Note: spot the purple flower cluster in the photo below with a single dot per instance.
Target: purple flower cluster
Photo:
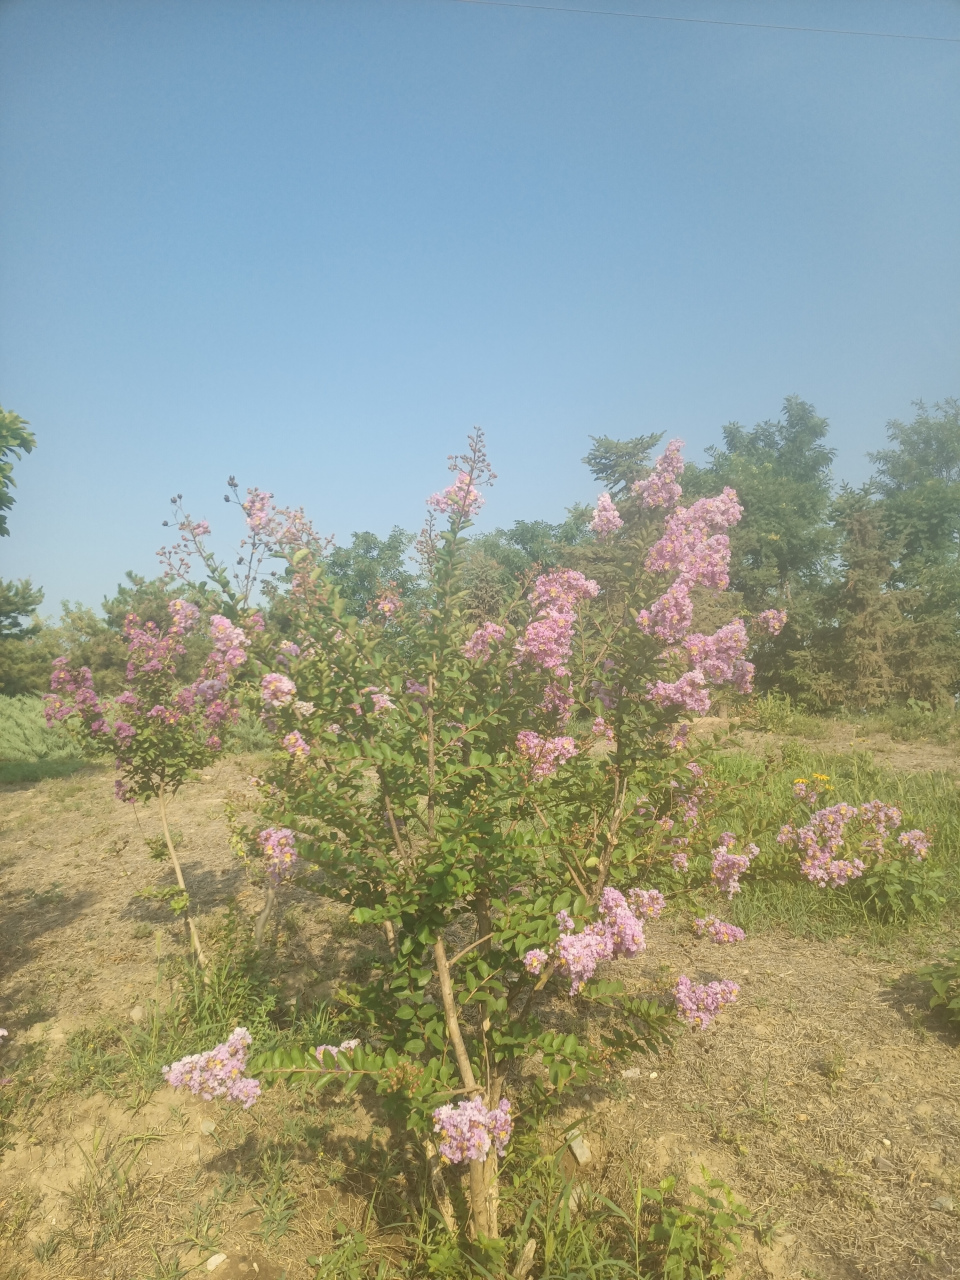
(277, 690)
(693, 544)
(218, 1073)
(618, 932)
(718, 930)
(547, 754)
(698, 1005)
(647, 902)
(347, 1046)
(229, 643)
(771, 620)
(280, 853)
(918, 842)
(389, 603)
(819, 842)
(548, 639)
(727, 867)
(606, 517)
(297, 745)
(720, 656)
(660, 489)
(688, 692)
(461, 499)
(468, 1130)
(481, 643)
(669, 617)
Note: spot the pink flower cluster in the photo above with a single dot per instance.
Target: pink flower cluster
(718, 930)
(694, 544)
(218, 1073)
(660, 489)
(229, 642)
(771, 620)
(606, 517)
(461, 500)
(918, 842)
(389, 603)
(547, 754)
(601, 729)
(618, 932)
(277, 690)
(647, 902)
(481, 643)
(468, 1130)
(670, 616)
(819, 842)
(727, 867)
(382, 702)
(698, 1005)
(716, 659)
(280, 853)
(347, 1046)
(297, 745)
(548, 639)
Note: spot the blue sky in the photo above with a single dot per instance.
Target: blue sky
(313, 243)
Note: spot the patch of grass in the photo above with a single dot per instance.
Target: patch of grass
(13, 772)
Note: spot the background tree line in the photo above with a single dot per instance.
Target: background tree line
(870, 576)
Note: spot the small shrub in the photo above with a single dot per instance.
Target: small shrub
(944, 978)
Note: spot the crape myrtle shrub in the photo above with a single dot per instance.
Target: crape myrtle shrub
(489, 795)
(509, 801)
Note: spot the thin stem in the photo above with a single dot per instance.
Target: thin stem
(453, 1022)
(431, 759)
(620, 800)
(194, 935)
(264, 916)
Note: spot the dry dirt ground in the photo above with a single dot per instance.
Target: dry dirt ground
(826, 1098)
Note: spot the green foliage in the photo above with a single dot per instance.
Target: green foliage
(944, 977)
(369, 566)
(615, 464)
(24, 735)
(781, 472)
(15, 441)
(18, 600)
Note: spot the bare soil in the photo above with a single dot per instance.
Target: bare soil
(827, 1098)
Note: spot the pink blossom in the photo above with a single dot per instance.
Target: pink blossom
(647, 902)
(660, 489)
(389, 603)
(601, 729)
(699, 1005)
(689, 692)
(461, 500)
(218, 1073)
(606, 517)
(558, 699)
(280, 852)
(547, 754)
(535, 961)
(918, 843)
(481, 643)
(468, 1130)
(277, 690)
(297, 745)
(771, 620)
(718, 930)
(334, 1051)
(670, 617)
(727, 867)
(185, 616)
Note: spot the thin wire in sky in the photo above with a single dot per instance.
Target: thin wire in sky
(709, 22)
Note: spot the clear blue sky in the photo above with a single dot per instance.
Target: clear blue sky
(312, 243)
